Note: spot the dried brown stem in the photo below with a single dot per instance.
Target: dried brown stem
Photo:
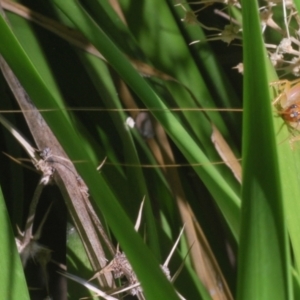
(74, 198)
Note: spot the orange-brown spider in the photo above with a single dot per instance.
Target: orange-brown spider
(287, 104)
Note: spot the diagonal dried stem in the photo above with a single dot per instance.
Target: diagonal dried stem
(77, 202)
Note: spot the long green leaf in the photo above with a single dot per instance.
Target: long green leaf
(263, 254)
(13, 284)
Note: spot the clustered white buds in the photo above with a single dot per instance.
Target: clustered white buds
(284, 55)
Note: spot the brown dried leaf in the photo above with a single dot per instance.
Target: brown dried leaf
(226, 154)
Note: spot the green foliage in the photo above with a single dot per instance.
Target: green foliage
(13, 284)
(148, 64)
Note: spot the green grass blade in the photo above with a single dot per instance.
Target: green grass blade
(13, 284)
(100, 76)
(290, 170)
(263, 254)
(77, 263)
